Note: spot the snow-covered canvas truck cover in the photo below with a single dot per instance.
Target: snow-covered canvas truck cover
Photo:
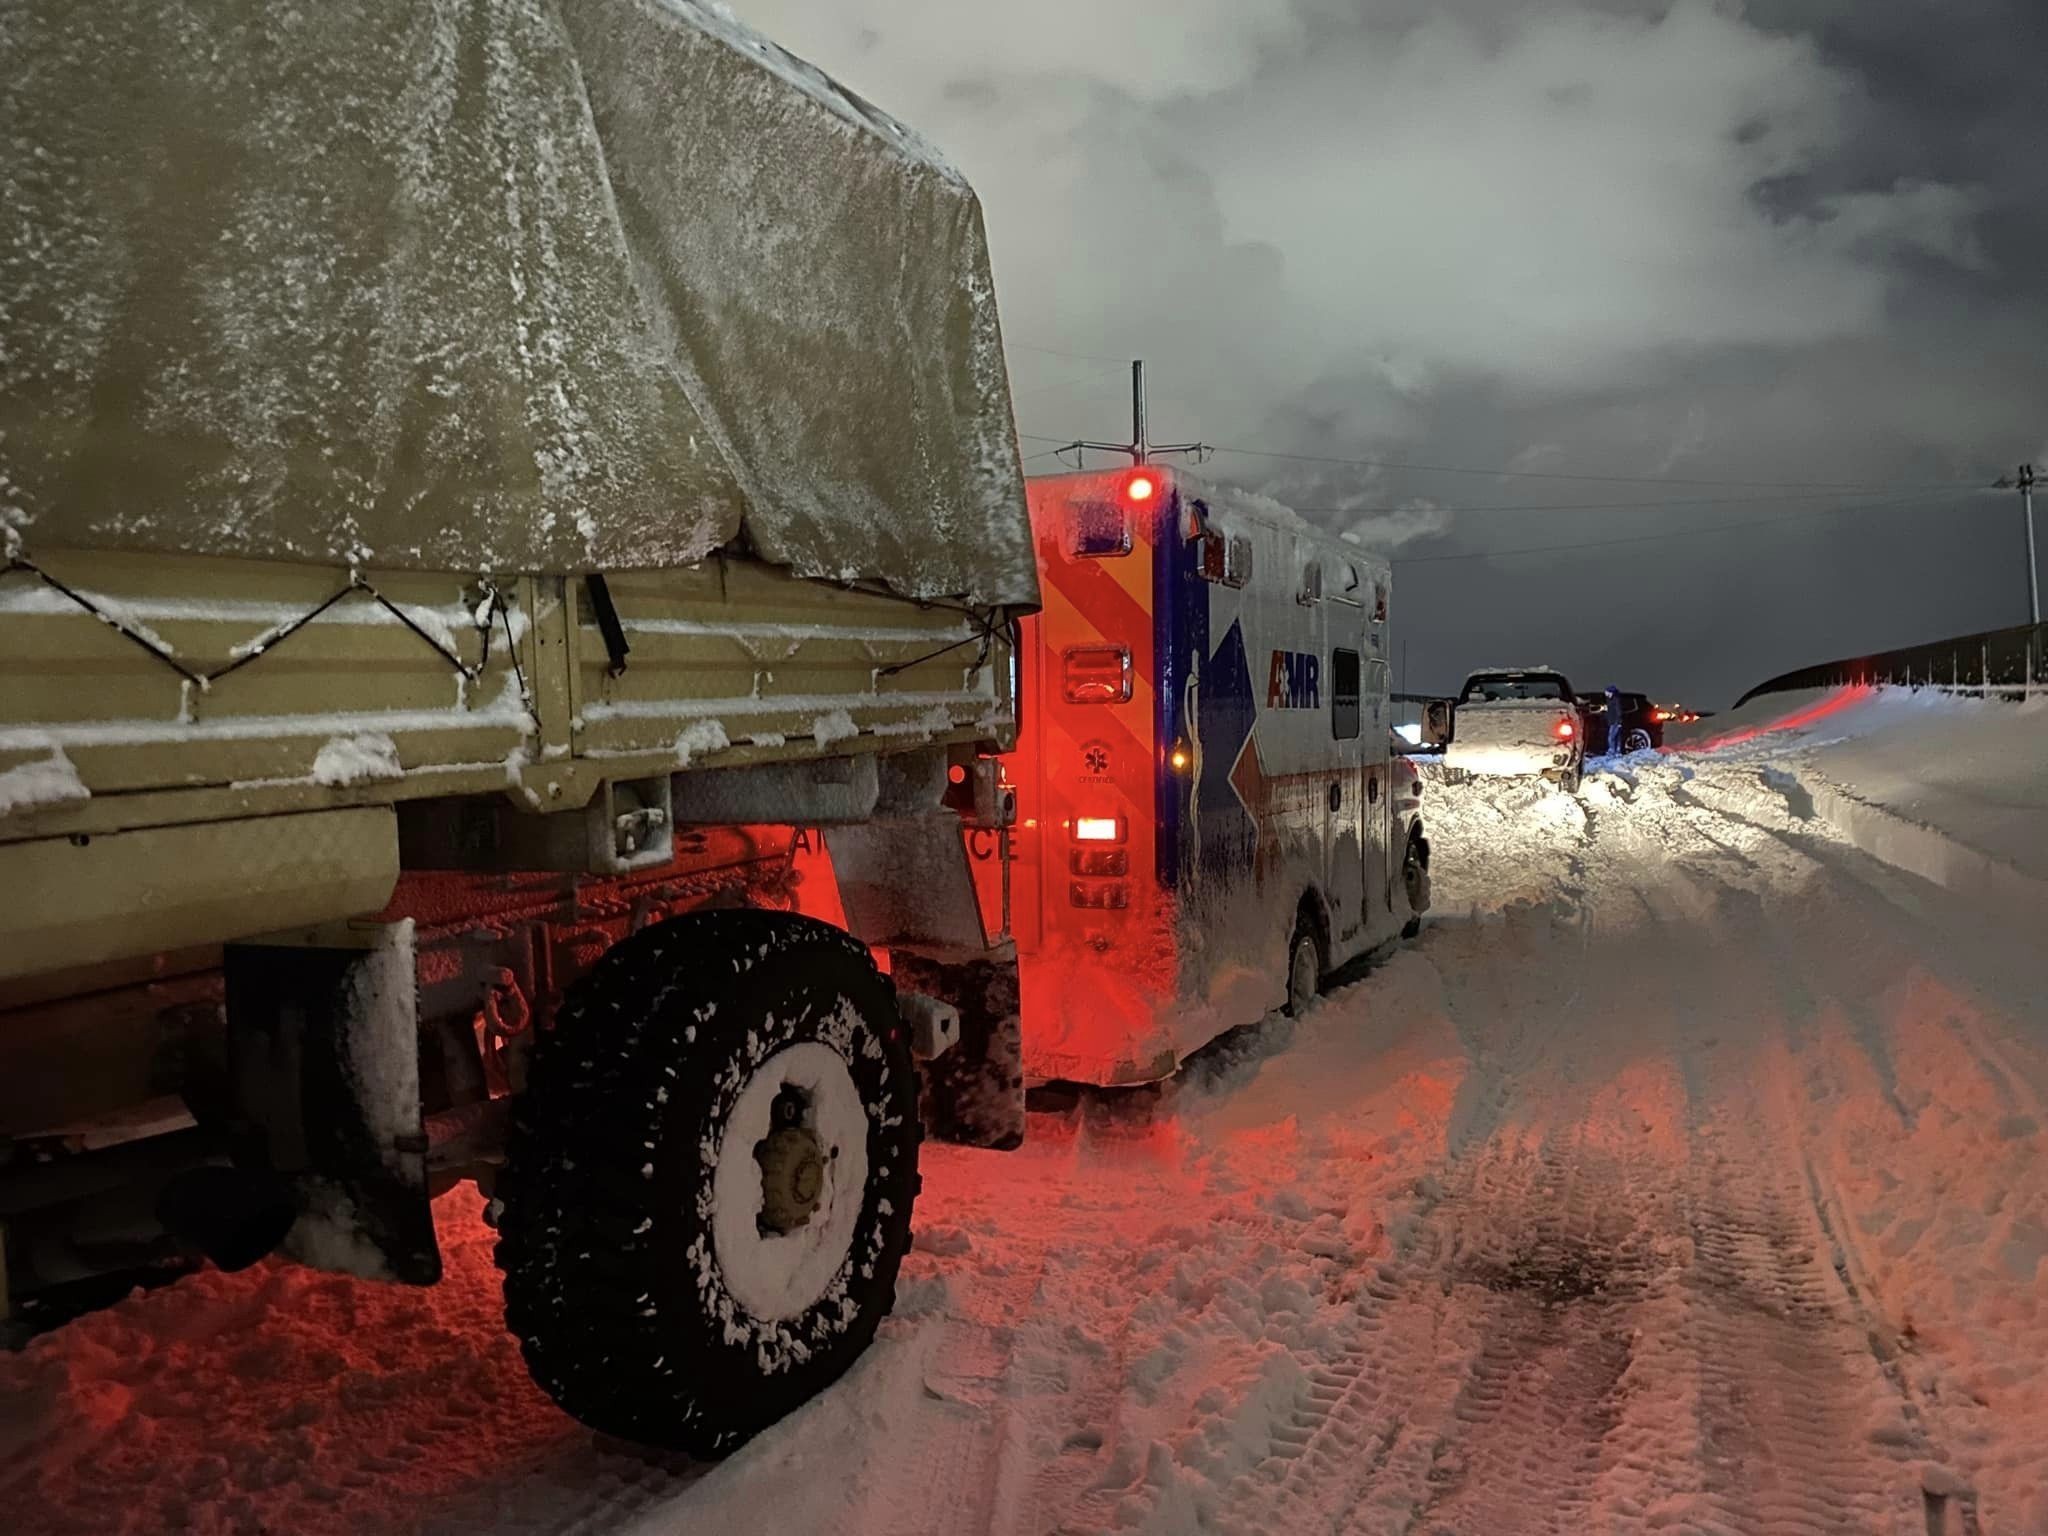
(1209, 817)
(474, 478)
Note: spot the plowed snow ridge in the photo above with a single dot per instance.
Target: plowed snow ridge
(1687, 1175)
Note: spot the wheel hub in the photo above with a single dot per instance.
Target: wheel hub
(792, 1168)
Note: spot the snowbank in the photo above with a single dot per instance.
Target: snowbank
(1953, 789)
(1975, 771)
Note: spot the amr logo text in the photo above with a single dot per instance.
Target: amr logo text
(1295, 681)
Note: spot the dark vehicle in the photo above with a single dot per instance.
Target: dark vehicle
(1642, 723)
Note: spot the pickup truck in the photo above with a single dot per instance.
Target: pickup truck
(474, 482)
(1512, 722)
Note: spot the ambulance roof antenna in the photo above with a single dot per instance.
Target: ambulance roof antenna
(1138, 448)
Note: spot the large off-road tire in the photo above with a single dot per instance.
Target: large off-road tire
(710, 1177)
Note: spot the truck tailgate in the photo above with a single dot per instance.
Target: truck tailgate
(1509, 737)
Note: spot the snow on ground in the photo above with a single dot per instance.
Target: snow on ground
(1690, 1173)
(1971, 771)
(1974, 772)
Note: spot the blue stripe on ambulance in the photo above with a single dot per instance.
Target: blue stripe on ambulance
(1228, 711)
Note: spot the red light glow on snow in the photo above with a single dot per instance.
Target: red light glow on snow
(1820, 709)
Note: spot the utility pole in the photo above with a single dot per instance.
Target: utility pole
(1139, 448)
(2033, 577)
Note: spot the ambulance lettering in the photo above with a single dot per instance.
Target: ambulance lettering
(1295, 681)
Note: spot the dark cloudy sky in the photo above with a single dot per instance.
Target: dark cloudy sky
(1787, 243)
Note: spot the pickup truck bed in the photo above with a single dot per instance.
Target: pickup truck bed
(1516, 722)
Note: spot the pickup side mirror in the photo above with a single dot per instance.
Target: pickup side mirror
(1436, 722)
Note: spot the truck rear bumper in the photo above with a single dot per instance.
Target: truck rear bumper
(1509, 759)
(88, 899)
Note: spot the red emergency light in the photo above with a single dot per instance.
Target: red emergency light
(1101, 896)
(1099, 863)
(1096, 674)
(1564, 730)
(1140, 487)
(1098, 829)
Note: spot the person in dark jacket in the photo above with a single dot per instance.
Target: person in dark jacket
(1614, 721)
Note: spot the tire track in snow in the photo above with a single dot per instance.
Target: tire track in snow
(1800, 1423)
(1789, 1432)
(1563, 1256)
(1794, 1435)
(1898, 974)
(1940, 1493)
(1351, 1413)
(957, 1477)
(1800, 1429)
(1478, 1382)
(1343, 1390)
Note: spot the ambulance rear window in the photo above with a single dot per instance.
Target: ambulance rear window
(1099, 530)
(1344, 695)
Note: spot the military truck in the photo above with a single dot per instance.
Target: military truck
(474, 480)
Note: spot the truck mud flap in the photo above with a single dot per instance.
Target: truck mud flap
(323, 1042)
(974, 1093)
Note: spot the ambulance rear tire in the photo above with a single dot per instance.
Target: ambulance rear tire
(709, 1181)
(1304, 965)
(1415, 882)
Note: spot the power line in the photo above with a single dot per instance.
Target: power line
(1544, 474)
(1088, 378)
(1079, 357)
(1652, 538)
(1629, 506)
(1860, 489)
(1820, 486)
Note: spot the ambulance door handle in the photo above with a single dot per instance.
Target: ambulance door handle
(1372, 788)
(1336, 793)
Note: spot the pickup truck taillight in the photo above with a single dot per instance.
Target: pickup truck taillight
(1565, 729)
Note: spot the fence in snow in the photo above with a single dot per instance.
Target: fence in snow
(2000, 663)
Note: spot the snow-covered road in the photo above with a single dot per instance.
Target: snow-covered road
(1690, 1174)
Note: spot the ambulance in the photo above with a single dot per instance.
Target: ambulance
(1209, 818)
